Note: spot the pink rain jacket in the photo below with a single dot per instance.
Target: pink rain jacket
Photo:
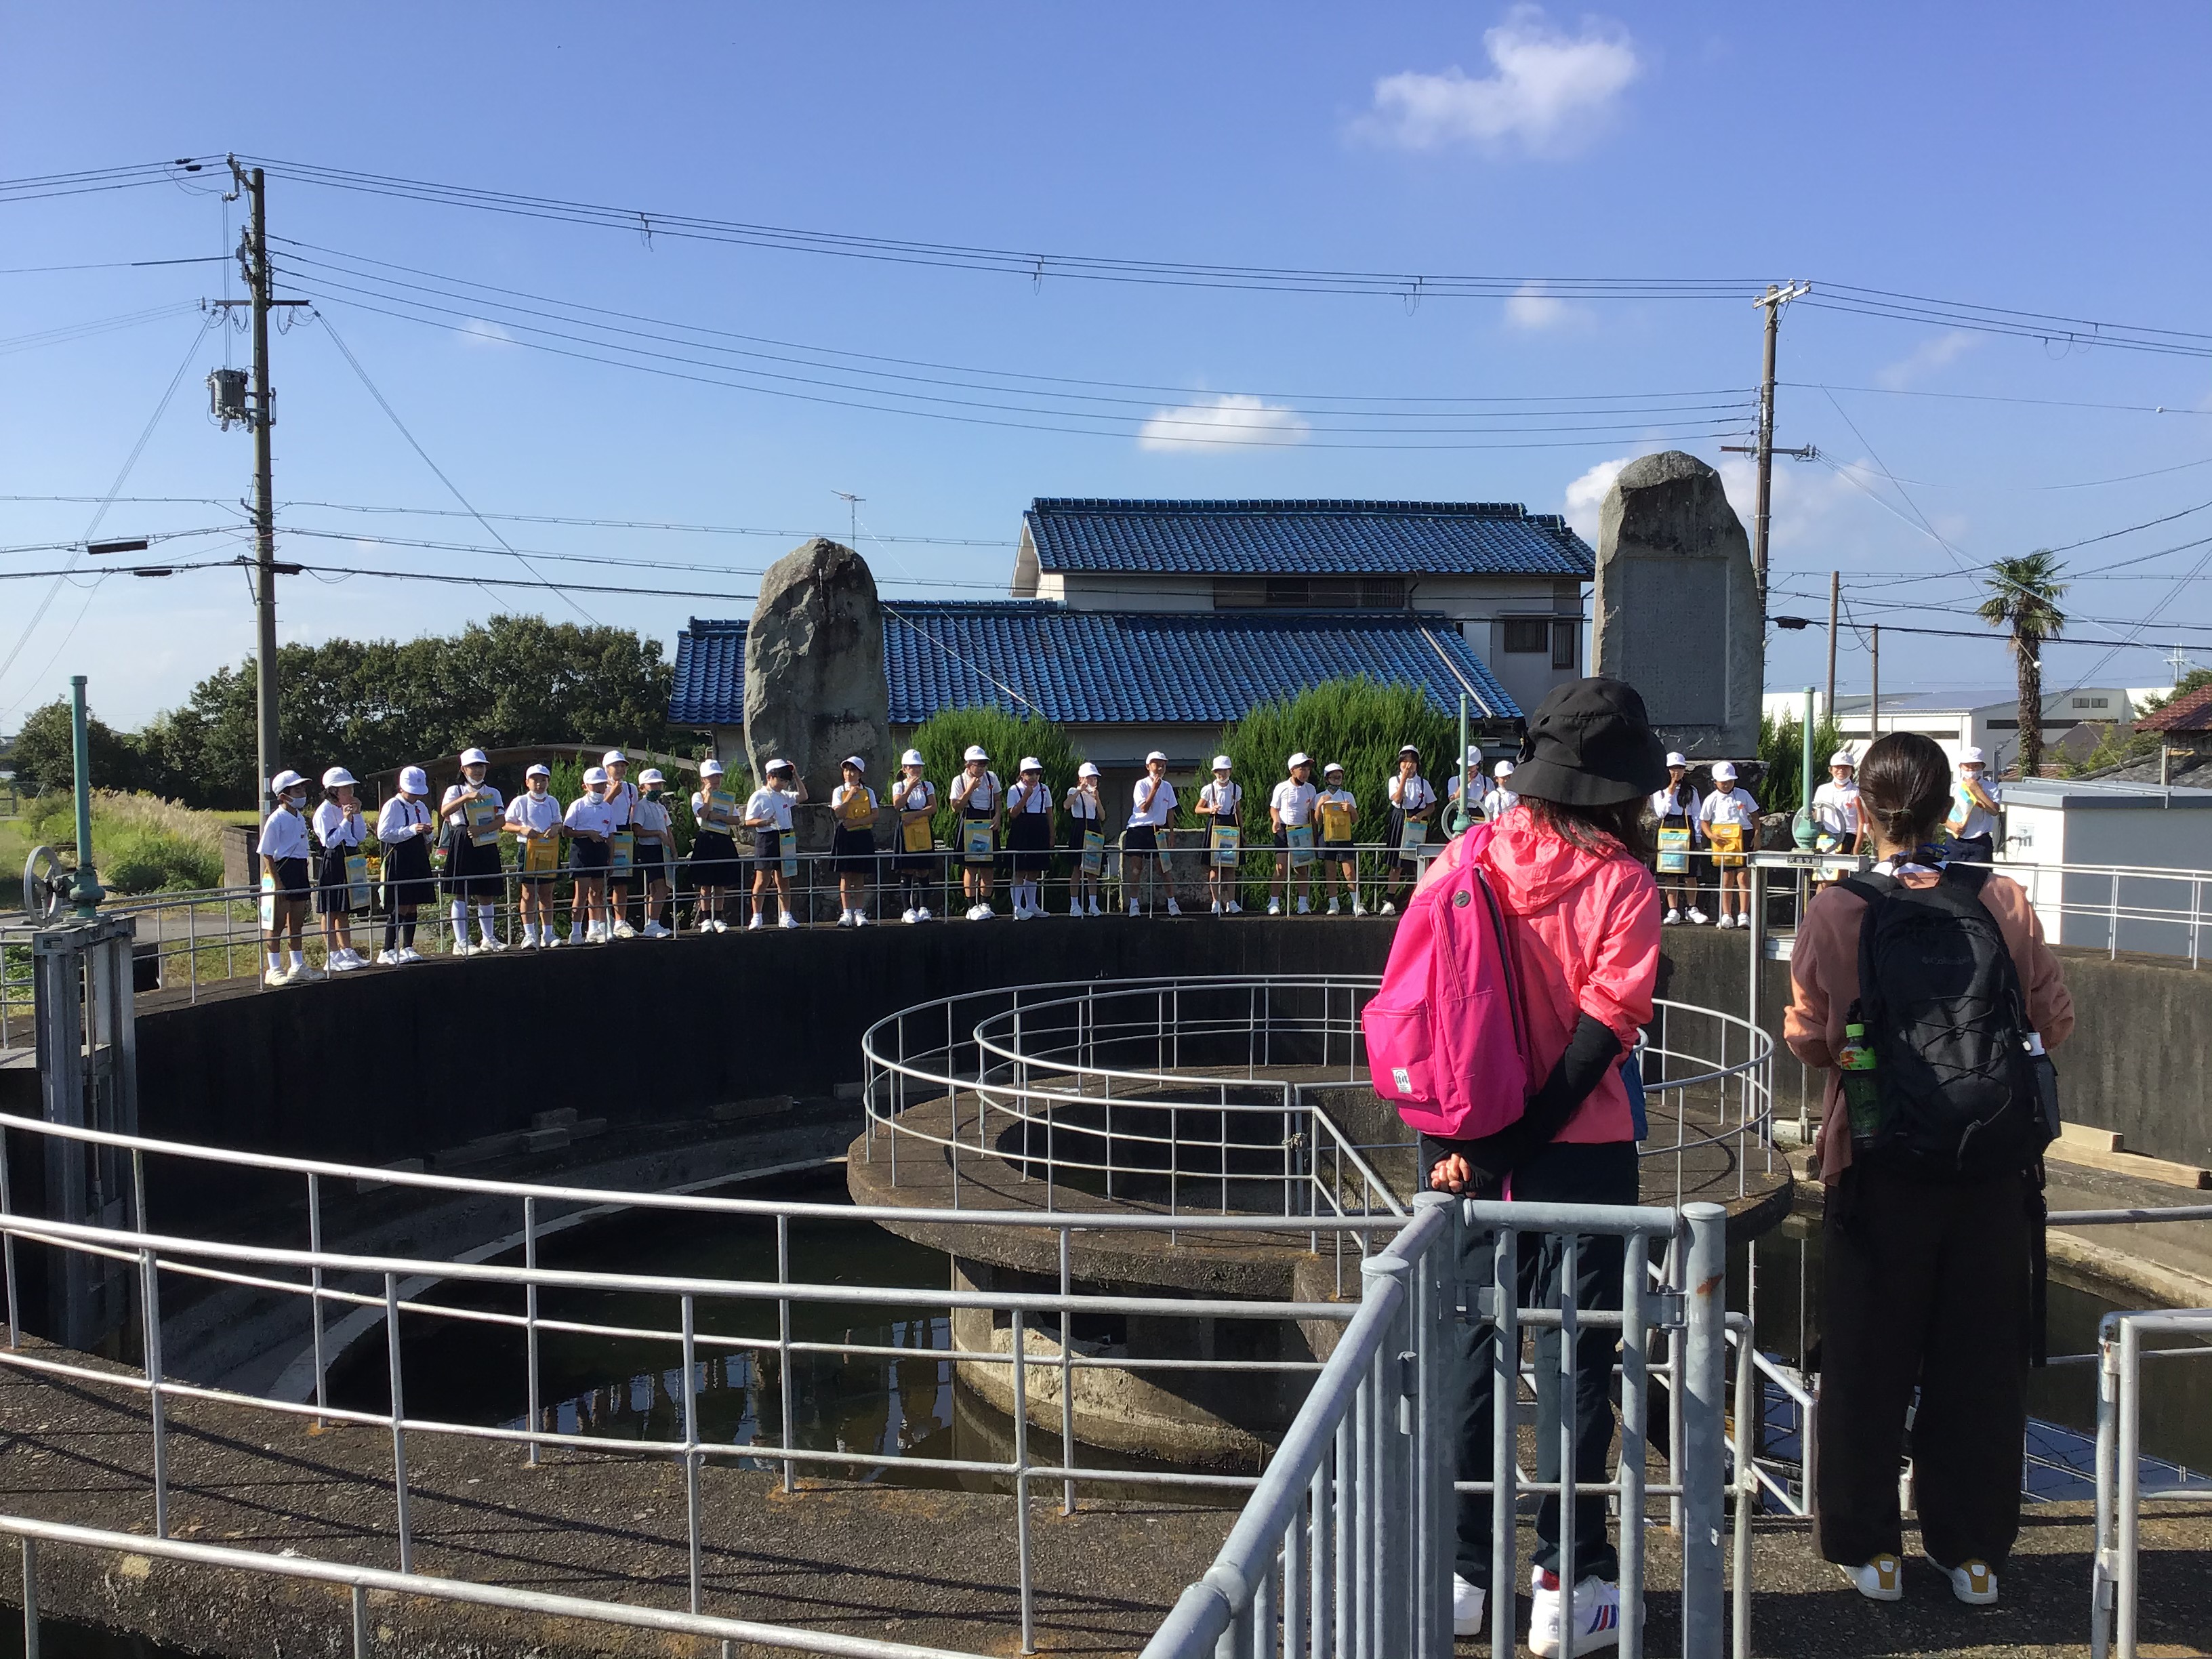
(1584, 928)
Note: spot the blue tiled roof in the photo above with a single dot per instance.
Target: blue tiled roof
(1321, 538)
(1091, 667)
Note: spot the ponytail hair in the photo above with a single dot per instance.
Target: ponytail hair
(1905, 786)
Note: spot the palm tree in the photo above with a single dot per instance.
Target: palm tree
(2024, 595)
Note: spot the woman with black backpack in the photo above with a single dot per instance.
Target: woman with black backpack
(1931, 1150)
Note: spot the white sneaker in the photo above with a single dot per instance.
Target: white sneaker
(1335, 909)
(1075, 907)
(1132, 906)
(844, 918)
(1235, 908)
(1095, 910)
(1972, 1583)
(306, 974)
(787, 919)
(1304, 909)
(911, 916)
(459, 948)
(409, 953)
(1881, 1579)
(1174, 909)
(720, 925)
(757, 922)
(1216, 907)
(1389, 909)
(276, 976)
(654, 930)
(1467, 1607)
(623, 930)
(1021, 913)
(859, 917)
(921, 913)
(1670, 919)
(552, 940)
(1358, 909)
(1696, 917)
(1728, 922)
(1274, 906)
(1595, 1617)
(387, 959)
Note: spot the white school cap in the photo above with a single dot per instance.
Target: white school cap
(1332, 769)
(1504, 770)
(775, 766)
(414, 780)
(1723, 771)
(1222, 763)
(1842, 757)
(614, 757)
(595, 774)
(976, 752)
(1030, 763)
(1969, 755)
(652, 775)
(336, 776)
(1301, 758)
(855, 763)
(911, 758)
(1676, 757)
(538, 769)
(474, 757)
(710, 767)
(285, 780)
(1155, 756)
(1086, 770)
(1413, 749)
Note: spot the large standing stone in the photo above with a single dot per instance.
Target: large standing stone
(1678, 609)
(815, 690)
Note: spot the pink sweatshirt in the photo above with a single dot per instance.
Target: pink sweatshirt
(1584, 931)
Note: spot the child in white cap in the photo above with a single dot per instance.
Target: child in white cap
(404, 829)
(768, 815)
(853, 842)
(533, 818)
(283, 852)
(714, 867)
(622, 798)
(1029, 836)
(1222, 801)
(1336, 813)
(1477, 787)
(1290, 814)
(1730, 817)
(1150, 805)
(916, 798)
(1974, 820)
(1503, 797)
(590, 823)
(1675, 807)
(655, 857)
(340, 831)
(472, 871)
(1412, 800)
(1086, 816)
(1835, 805)
(978, 799)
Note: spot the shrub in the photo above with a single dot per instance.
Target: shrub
(152, 860)
(1358, 722)
(942, 738)
(1780, 786)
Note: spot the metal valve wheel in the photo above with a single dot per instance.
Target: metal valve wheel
(46, 885)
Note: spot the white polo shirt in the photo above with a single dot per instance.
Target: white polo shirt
(535, 813)
(774, 805)
(283, 836)
(1293, 801)
(336, 827)
(1225, 799)
(1151, 802)
(1733, 807)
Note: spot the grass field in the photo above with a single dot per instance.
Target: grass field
(141, 843)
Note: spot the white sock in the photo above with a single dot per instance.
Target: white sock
(487, 919)
(530, 932)
(275, 961)
(461, 920)
(298, 961)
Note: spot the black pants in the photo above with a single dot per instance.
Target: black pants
(1561, 1174)
(1928, 1285)
(1974, 849)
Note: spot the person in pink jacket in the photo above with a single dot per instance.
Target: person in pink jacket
(1582, 921)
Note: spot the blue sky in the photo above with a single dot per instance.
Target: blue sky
(2031, 156)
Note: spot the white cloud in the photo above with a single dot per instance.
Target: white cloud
(1550, 92)
(1223, 422)
(1586, 495)
(1925, 358)
(1532, 311)
(477, 331)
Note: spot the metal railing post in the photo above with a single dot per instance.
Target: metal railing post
(1435, 1448)
(691, 1517)
(1635, 1406)
(530, 1322)
(7, 1249)
(1504, 1401)
(359, 1599)
(1746, 1491)
(398, 1417)
(1391, 1425)
(1022, 1481)
(1067, 1381)
(30, 1598)
(2102, 1582)
(2128, 1511)
(149, 1292)
(1705, 1381)
(783, 1343)
(315, 1293)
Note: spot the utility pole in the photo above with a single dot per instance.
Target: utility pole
(253, 260)
(1873, 703)
(1835, 600)
(1773, 300)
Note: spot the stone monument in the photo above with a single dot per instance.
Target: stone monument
(815, 690)
(1677, 612)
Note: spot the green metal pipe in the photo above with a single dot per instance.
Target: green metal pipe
(86, 890)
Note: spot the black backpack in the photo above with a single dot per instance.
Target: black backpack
(1942, 1004)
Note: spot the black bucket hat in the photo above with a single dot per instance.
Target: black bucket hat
(1591, 744)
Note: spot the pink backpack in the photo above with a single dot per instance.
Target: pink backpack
(1447, 1042)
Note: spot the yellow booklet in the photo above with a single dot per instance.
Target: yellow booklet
(1336, 821)
(915, 836)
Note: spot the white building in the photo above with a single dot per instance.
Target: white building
(2112, 835)
(1989, 720)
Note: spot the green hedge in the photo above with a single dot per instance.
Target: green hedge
(1359, 723)
(942, 738)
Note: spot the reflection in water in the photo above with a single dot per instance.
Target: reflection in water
(2062, 1400)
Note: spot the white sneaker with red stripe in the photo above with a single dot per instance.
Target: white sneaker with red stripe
(1595, 1618)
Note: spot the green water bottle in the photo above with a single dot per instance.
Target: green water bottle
(1862, 1094)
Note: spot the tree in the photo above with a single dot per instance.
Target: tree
(1358, 722)
(1782, 759)
(45, 754)
(2024, 595)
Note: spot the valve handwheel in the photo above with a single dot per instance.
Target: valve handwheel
(46, 885)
